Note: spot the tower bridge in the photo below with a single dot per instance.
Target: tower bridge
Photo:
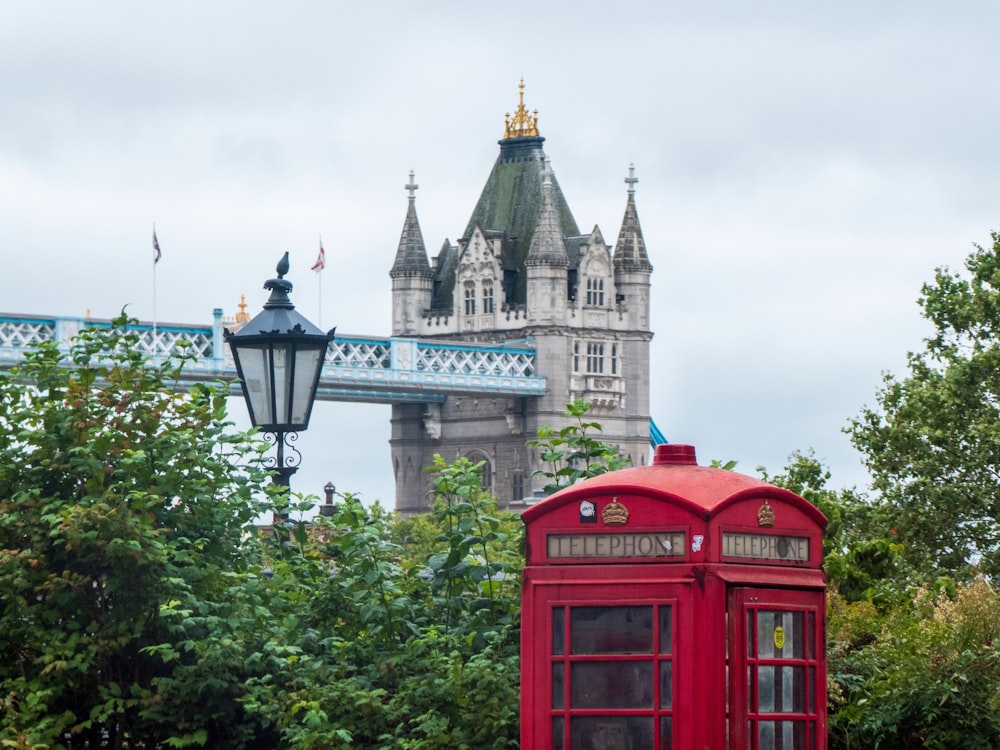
(522, 308)
(363, 369)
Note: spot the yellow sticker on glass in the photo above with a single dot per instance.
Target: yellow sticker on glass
(779, 637)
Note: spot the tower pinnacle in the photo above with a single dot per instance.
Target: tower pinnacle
(522, 124)
(630, 180)
(548, 246)
(630, 250)
(411, 256)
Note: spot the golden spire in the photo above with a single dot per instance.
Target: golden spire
(243, 317)
(522, 124)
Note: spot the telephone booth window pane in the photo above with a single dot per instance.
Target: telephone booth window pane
(666, 629)
(765, 736)
(558, 684)
(809, 637)
(812, 690)
(765, 689)
(612, 732)
(798, 634)
(558, 733)
(780, 689)
(666, 684)
(765, 635)
(666, 731)
(781, 735)
(793, 690)
(750, 632)
(558, 631)
(780, 635)
(611, 684)
(611, 630)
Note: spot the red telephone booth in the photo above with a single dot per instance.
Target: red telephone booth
(673, 606)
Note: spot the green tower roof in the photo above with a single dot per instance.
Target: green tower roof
(511, 201)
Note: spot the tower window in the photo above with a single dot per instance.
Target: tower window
(470, 298)
(614, 359)
(595, 358)
(488, 297)
(595, 292)
(576, 356)
(516, 486)
(487, 468)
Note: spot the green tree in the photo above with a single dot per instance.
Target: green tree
(124, 618)
(386, 648)
(573, 452)
(859, 562)
(932, 444)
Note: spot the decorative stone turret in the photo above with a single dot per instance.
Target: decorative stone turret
(632, 267)
(547, 263)
(412, 277)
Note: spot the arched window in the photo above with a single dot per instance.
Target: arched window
(516, 486)
(487, 297)
(470, 298)
(486, 470)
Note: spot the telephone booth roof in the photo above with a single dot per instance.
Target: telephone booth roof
(675, 512)
(675, 477)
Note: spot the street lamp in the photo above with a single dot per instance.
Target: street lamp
(279, 356)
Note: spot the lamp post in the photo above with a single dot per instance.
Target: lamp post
(279, 356)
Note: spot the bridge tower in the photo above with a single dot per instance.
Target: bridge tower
(522, 269)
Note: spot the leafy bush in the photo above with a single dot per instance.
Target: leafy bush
(924, 673)
(394, 648)
(123, 509)
(573, 453)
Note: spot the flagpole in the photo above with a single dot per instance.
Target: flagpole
(318, 267)
(156, 254)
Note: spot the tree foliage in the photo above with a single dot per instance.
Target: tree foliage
(932, 444)
(859, 562)
(122, 555)
(394, 650)
(573, 453)
(909, 664)
(922, 673)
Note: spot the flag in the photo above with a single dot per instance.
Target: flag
(156, 249)
(320, 263)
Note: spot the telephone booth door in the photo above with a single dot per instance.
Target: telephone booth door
(776, 669)
(615, 681)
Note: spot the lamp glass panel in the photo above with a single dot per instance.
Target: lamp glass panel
(307, 365)
(282, 357)
(255, 366)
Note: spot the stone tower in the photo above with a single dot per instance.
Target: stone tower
(520, 270)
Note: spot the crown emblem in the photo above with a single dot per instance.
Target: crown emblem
(521, 124)
(614, 513)
(765, 515)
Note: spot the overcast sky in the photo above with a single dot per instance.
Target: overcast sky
(803, 168)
